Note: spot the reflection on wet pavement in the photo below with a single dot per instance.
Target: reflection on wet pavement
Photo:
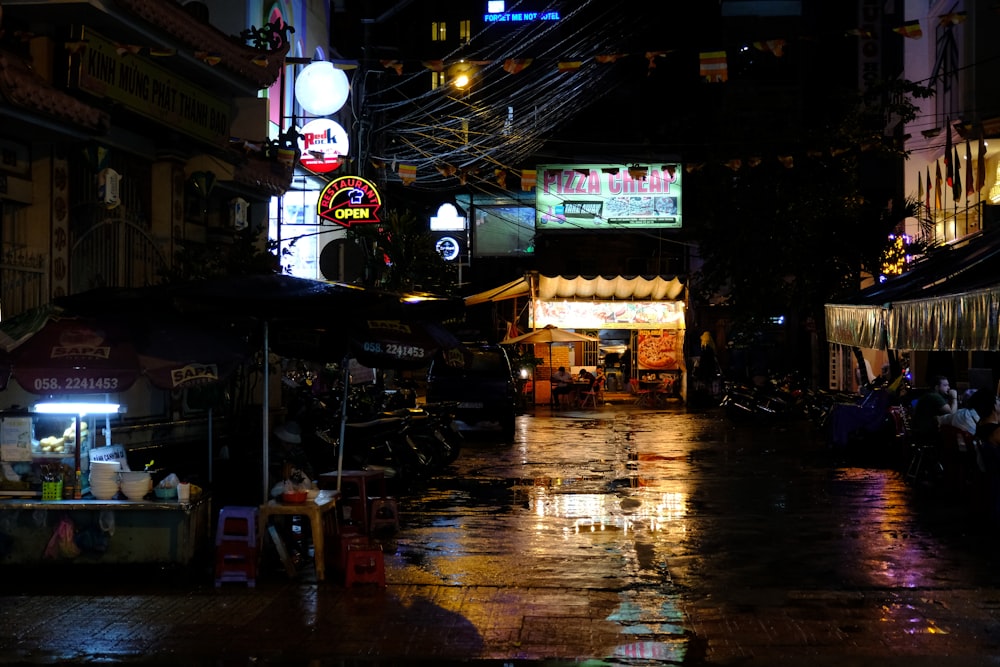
(615, 537)
(720, 544)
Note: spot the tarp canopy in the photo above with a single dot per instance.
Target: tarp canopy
(657, 288)
(948, 301)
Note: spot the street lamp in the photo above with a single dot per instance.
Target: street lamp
(321, 89)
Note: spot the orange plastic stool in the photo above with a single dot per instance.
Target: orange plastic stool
(365, 565)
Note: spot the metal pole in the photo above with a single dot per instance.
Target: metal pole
(343, 419)
(266, 402)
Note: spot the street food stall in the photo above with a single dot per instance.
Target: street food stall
(641, 321)
(68, 376)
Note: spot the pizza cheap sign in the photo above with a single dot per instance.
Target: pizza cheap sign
(605, 196)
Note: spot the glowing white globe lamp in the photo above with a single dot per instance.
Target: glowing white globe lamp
(321, 89)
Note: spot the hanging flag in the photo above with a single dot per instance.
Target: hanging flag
(501, 176)
(734, 164)
(609, 57)
(515, 65)
(956, 187)
(395, 65)
(910, 29)
(860, 32)
(529, 177)
(433, 65)
(953, 18)
(75, 47)
(981, 162)
(927, 201)
(714, 67)
(651, 56)
(161, 52)
(127, 49)
(937, 186)
(208, 58)
(408, 173)
(970, 184)
(787, 161)
(920, 187)
(774, 46)
(948, 166)
(569, 65)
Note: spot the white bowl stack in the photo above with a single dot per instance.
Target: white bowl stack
(135, 483)
(104, 479)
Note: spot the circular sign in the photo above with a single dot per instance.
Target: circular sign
(323, 144)
(447, 247)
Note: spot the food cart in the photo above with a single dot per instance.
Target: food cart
(47, 510)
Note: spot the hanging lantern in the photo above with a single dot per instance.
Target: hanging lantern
(321, 89)
(108, 187)
(238, 209)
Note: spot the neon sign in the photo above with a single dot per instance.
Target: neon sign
(521, 17)
(349, 200)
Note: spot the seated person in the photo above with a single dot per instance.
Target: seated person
(562, 386)
(600, 379)
(589, 377)
(938, 401)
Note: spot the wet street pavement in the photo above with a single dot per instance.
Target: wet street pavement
(610, 536)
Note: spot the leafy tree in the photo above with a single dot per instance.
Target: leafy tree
(400, 256)
(778, 240)
(249, 253)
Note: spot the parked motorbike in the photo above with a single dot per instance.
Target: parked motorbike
(776, 399)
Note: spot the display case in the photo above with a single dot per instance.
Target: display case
(48, 446)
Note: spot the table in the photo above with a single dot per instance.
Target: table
(145, 531)
(655, 392)
(359, 480)
(319, 513)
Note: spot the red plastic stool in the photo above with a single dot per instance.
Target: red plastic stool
(365, 565)
(384, 514)
(236, 546)
(235, 561)
(350, 540)
(237, 524)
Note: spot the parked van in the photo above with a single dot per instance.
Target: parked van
(484, 388)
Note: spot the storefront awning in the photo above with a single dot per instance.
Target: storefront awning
(511, 290)
(613, 288)
(949, 300)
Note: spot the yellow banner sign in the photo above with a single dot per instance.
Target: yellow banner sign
(149, 90)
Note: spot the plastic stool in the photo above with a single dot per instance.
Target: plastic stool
(235, 561)
(236, 545)
(365, 565)
(350, 541)
(237, 524)
(384, 514)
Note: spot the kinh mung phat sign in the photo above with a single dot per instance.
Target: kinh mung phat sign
(608, 196)
(101, 68)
